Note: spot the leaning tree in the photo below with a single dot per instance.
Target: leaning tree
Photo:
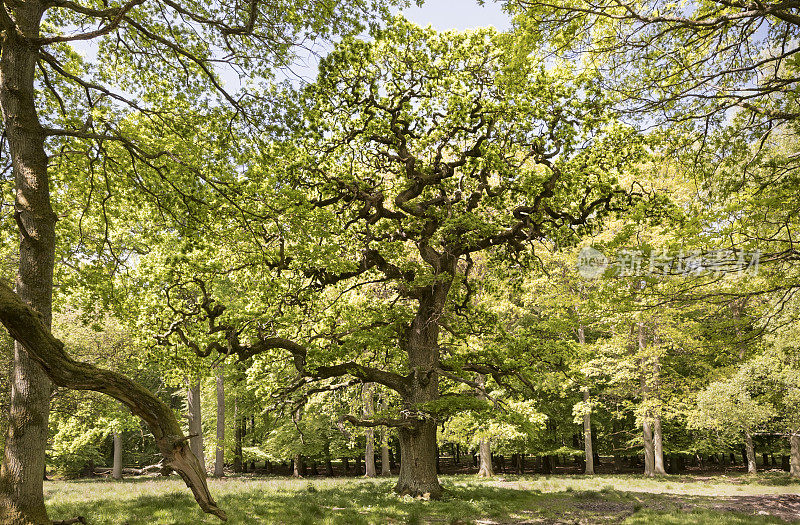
(411, 154)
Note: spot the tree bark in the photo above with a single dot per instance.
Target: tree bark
(658, 448)
(649, 452)
(750, 454)
(219, 457)
(485, 467)
(116, 471)
(26, 326)
(794, 459)
(296, 470)
(587, 438)
(195, 421)
(22, 471)
(328, 463)
(386, 469)
(647, 431)
(369, 432)
(418, 441)
(658, 435)
(587, 419)
(237, 438)
(418, 466)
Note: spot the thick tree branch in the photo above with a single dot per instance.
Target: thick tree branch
(25, 326)
(380, 421)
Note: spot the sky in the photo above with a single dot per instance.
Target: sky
(442, 15)
(459, 14)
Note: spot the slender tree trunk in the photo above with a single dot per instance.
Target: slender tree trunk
(386, 468)
(647, 430)
(658, 448)
(658, 435)
(649, 452)
(369, 432)
(328, 463)
(485, 467)
(794, 459)
(237, 438)
(587, 419)
(22, 472)
(750, 454)
(195, 421)
(296, 471)
(587, 438)
(116, 471)
(219, 456)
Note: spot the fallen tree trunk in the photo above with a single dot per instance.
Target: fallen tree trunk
(159, 469)
(26, 327)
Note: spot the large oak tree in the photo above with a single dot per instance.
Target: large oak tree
(411, 154)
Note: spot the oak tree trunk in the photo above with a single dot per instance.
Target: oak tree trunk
(794, 459)
(647, 430)
(418, 450)
(296, 464)
(328, 463)
(587, 438)
(587, 420)
(418, 466)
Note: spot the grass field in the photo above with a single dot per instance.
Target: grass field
(507, 499)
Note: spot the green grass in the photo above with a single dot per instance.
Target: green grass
(351, 501)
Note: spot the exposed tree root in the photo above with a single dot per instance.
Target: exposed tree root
(71, 521)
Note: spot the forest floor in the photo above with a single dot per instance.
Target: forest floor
(724, 499)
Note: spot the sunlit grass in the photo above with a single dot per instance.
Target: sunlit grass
(351, 501)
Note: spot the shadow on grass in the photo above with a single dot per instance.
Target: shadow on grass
(348, 503)
(353, 502)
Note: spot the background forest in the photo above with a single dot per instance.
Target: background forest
(568, 247)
